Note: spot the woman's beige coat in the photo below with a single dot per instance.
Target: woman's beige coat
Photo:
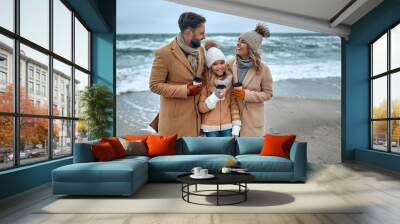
(258, 89)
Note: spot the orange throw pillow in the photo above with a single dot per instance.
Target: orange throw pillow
(103, 152)
(136, 137)
(116, 145)
(277, 145)
(161, 145)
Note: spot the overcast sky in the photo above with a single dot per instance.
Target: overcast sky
(159, 16)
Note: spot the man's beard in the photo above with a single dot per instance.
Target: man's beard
(195, 43)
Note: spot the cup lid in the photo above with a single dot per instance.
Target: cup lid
(197, 79)
(237, 84)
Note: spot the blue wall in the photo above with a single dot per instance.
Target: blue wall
(24, 178)
(355, 85)
(100, 16)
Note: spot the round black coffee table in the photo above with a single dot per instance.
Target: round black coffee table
(238, 179)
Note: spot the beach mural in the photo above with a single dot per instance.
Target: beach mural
(305, 67)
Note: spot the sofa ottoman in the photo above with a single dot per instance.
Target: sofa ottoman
(119, 177)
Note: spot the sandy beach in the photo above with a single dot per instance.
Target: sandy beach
(314, 121)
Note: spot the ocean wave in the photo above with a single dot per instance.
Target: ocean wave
(289, 56)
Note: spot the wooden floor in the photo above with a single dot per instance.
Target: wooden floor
(377, 188)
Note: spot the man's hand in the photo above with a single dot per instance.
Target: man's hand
(194, 89)
(239, 94)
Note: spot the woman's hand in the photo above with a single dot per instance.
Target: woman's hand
(239, 94)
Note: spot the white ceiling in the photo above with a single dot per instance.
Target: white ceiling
(313, 15)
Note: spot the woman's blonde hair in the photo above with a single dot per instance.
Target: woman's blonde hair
(255, 58)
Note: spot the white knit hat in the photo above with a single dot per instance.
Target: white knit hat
(213, 54)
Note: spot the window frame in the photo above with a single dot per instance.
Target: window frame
(16, 114)
(388, 74)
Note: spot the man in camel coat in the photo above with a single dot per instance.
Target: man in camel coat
(174, 68)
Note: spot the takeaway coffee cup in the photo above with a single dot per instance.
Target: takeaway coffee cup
(197, 81)
(220, 91)
(237, 85)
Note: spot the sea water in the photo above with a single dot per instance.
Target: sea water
(304, 65)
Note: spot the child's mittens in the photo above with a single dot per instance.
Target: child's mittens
(211, 101)
(235, 130)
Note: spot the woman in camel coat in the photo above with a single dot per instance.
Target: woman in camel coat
(255, 77)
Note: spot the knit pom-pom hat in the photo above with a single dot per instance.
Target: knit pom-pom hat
(254, 38)
(213, 54)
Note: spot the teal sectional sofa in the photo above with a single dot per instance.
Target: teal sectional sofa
(125, 176)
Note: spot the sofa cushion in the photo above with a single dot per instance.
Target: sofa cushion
(249, 145)
(136, 137)
(116, 145)
(103, 152)
(185, 163)
(257, 163)
(111, 171)
(209, 145)
(277, 145)
(130, 158)
(134, 147)
(161, 145)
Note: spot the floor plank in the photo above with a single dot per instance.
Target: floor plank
(378, 190)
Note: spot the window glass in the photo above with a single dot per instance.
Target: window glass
(81, 45)
(7, 14)
(395, 95)
(30, 58)
(379, 55)
(379, 100)
(395, 136)
(395, 47)
(62, 29)
(33, 140)
(6, 74)
(62, 137)
(379, 135)
(6, 142)
(81, 82)
(62, 91)
(34, 21)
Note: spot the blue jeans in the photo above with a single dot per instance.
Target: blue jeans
(225, 133)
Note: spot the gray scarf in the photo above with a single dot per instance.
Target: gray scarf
(243, 65)
(192, 54)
